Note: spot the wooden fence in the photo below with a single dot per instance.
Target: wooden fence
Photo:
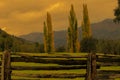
(92, 64)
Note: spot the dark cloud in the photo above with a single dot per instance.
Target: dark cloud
(24, 16)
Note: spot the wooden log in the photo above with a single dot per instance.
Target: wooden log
(103, 64)
(101, 59)
(64, 75)
(26, 79)
(106, 79)
(88, 70)
(61, 67)
(6, 65)
(108, 71)
(49, 67)
(56, 61)
(115, 76)
(57, 56)
(93, 67)
(108, 76)
(104, 59)
(51, 56)
(107, 55)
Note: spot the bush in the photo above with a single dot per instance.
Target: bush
(88, 45)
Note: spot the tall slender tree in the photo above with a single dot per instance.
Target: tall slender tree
(88, 44)
(45, 38)
(48, 35)
(117, 13)
(73, 43)
(86, 30)
(69, 40)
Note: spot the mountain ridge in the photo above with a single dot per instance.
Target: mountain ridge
(105, 29)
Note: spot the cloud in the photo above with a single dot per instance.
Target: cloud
(30, 16)
(25, 16)
(2, 4)
(4, 28)
(54, 6)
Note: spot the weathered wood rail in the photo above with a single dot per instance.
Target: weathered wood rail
(66, 62)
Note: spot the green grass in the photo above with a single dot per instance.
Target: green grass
(80, 71)
(62, 79)
(117, 79)
(14, 77)
(31, 64)
(48, 72)
(53, 54)
(110, 68)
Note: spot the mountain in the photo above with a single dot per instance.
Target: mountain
(6, 40)
(4, 36)
(105, 29)
(15, 44)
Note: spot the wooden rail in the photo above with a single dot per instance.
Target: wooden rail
(66, 62)
(6, 66)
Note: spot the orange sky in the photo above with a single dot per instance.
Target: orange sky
(20, 17)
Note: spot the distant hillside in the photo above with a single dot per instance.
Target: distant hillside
(4, 36)
(106, 29)
(16, 44)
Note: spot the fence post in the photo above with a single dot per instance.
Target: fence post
(6, 66)
(93, 67)
(88, 70)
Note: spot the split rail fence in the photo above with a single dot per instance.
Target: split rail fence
(92, 64)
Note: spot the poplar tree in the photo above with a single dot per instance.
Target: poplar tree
(45, 38)
(69, 40)
(88, 44)
(48, 35)
(73, 43)
(86, 30)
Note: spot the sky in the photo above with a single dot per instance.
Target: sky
(19, 17)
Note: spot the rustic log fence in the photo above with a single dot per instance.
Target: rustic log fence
(90, 65)
(6, 66)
